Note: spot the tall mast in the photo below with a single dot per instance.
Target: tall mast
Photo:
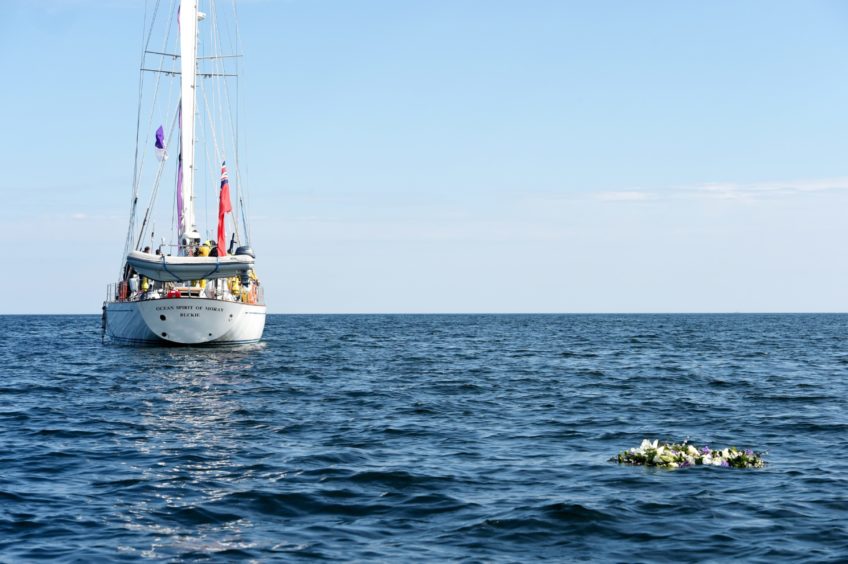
(188, 17)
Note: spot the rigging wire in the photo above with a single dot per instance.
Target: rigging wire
(217, 93)
(157, 84)
(134, 199)
(140, 155)
(155, 190)
(209, 164)
(242, 194)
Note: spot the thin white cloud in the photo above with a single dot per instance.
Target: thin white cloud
(759, 190)
(738, 191)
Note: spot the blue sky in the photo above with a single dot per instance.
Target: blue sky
(464, 156)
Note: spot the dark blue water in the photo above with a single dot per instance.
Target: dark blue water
(398, 438)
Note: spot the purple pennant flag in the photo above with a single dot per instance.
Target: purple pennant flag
(161, 153)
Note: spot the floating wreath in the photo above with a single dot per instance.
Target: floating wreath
(671, 455)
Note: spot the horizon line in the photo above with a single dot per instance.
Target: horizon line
(503, 313)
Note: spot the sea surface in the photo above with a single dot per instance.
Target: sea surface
(399, 438)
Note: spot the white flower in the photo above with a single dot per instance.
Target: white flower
(717, 461)
(646, 444)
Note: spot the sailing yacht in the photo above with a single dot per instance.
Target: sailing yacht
(180, 286)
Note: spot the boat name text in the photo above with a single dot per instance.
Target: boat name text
(189, 308)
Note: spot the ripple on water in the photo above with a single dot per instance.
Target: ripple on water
(426, 438)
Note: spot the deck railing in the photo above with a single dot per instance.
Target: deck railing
(129, 291)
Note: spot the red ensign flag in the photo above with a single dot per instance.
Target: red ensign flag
(224, 206)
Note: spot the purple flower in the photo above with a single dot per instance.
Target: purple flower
(749, 452)
(705, 450)
(724, 464)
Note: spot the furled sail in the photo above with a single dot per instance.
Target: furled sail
(188, 16)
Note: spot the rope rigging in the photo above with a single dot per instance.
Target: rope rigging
(216, 125)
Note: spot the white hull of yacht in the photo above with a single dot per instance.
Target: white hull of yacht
(185, 321)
